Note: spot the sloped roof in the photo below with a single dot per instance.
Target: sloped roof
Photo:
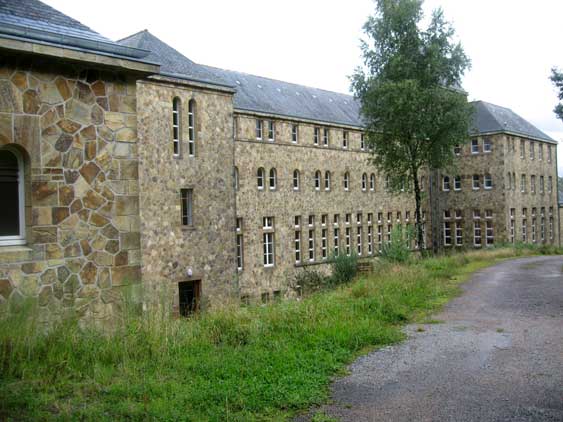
(35, 20)
(491, 118)
(171, 61)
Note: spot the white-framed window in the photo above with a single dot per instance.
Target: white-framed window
(476, 214)
(370, 239)
(311, 242)
(325, 137)
(12, 211)
(347, 240)
(447, 214)
(549, 184)
(522, 149)
(445, 183)
(533, 183)
(379, 238)
(458, 233)
(176, 131)
(268, 240)
(316, 135)
(389, 230)
(186, 198)
(359, 218)
(523, 183)
(488, 181)
(476, 182)
(336, 241)
(524, 230)
(542, 187)
(317, 180)
(239, 245)
(540, 152)
(273, 179)
(549, 154)
(327, 180)
(324, 219)
(364, 182)
(542, 225)
(345, 139)
(457, 149)
(457, 183)
(271, 131)
(372, 182)
(236, 178)
(191, 127)
(475, 146)
(379, 217)
(296, 179)
(477, 233)
(458, 214)
(324, 244)
(346, 181)
(359, 240)
(489, 233)
(297, 221)
(534, 227)
(297, 243)
(362, 142)
(259, 126)
(512, 231)
(336, 219)
(551, 227)
(447, 233)
(532, 150)
(398, 216)
(268, 223)
(311, 220)
(294, 133)
(487, 144)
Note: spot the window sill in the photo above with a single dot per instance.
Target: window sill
(188, 228)
(15, 253)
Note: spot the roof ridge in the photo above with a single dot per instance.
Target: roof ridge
(278, 80)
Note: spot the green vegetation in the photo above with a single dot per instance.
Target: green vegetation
(254, 363)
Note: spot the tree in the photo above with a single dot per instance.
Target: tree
(411, 103)
(557, 79)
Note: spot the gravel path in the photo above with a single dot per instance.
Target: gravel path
(497, 356)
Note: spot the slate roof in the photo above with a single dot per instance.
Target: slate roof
(172, 62)
(35, 20)
(491, 118)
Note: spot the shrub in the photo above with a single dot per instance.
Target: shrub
(309, 281)
(398, 250)
(344, 268)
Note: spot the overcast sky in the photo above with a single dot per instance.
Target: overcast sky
(512, 43)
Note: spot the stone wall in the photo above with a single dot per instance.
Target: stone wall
(208, 246)
(76, 129)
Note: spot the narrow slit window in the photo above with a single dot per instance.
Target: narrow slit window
(187, 207)
(176, 117)
(191, 128)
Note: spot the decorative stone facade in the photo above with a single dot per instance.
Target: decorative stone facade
(76, 128)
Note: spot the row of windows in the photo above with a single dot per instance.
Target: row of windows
(447, 185)
(533, 182)
(321, 136)
(177, 125)
(486, 146)
(453, 230)
(534, 225)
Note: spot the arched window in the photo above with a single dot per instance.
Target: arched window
(273, 179)
(372, 182)
(191, 128)
(12, 219)
(236, 178)
(260, 178)
(296, 180)
(317, 180)
(364, 182)
(176, 119)
(327, 180)
(346, 181)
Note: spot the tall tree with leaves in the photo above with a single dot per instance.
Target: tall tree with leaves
(557, 79)
(411, 103)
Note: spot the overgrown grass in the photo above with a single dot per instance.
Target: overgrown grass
(256, 363)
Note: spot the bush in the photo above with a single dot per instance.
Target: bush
(398, 250)
(309, 281)
(344, 268)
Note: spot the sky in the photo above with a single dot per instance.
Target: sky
(512, 44)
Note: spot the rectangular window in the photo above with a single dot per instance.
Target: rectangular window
(540, 152)
(268, 239)
(488, 181)
(191, 129)
(550, 228)
(359, 218)
(532, 150)
(316, 135)
(311, 245)
(487, 145)
(523, 183)
(311, 220)
(362, 142)
(176, 127)
(325, 137)
(271, 131)
(359, 240)
(447, 233)
(549, 153)
(348, 241)
(336, 241)
(458, 233)
(477, 233)
(297, 247)
(324, 243)
(533, 184)
(522, 149)
(348, 218)
(258, 129)
(476, 182)
(336, 219)
(379, 217)
(549, 184)
(489, 232)
(542, 187)
(187, 206)
(294, 133)
(268, 223)
(324, 219)
(457, 183)
(512, 225)
(239, 252)
(345, 139)
(297, 221)
(534, 224)
(389, 230)
(474, 146)
(524, 230)
(379, 237)
(458, 214)
(370, 240)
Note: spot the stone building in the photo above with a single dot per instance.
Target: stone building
(128, 168)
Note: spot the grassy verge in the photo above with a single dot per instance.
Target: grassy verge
(232, 364)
